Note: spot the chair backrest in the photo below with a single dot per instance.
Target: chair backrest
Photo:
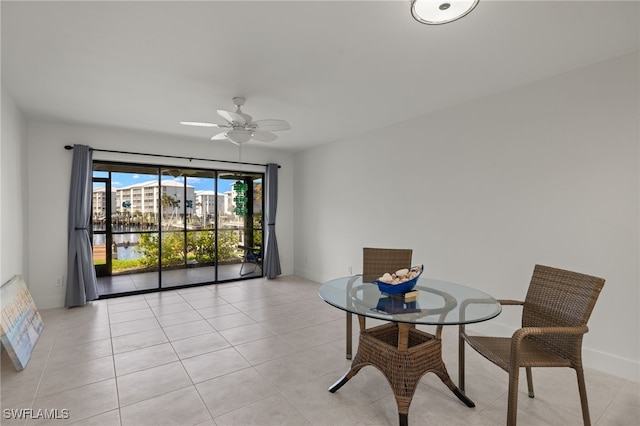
(253, 255)
(560, 298)
(377, 261)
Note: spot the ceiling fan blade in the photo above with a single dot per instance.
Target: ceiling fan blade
(247, 117)
(262, 136)
(199, 124)
(232, 117)
(221, 129)
(219, 137)
(272, 125)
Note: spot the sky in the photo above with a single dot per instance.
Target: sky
(120, 180)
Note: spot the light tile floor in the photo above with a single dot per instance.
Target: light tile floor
(259, 352)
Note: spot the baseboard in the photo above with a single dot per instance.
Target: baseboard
(604, 362)
(306, 273)
(611, 364)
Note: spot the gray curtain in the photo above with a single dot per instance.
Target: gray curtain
(82, 285)
(271, 262)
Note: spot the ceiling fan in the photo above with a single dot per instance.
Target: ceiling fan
(241, 128)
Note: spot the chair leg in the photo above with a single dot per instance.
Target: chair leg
(583, 397)
(512, 407)
(461, 359)
(255, 267)
(349, 333)
(530, 382)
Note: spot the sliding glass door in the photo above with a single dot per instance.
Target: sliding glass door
(101, 239)
(165, 227)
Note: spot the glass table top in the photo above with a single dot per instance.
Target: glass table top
(438, 302)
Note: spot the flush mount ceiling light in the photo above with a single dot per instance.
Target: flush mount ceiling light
(436, 12)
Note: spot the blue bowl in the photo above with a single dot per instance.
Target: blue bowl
(401, 288)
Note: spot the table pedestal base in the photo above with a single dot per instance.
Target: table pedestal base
(403, 354)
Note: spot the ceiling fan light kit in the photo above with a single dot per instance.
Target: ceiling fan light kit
(241, 128)
(239, 136)
(437, 12)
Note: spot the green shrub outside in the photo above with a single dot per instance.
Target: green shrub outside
(200, 248)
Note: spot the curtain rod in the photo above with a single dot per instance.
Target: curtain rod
(70, 147)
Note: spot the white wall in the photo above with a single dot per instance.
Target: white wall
(49, 178)
(13, 198)
(546, 173)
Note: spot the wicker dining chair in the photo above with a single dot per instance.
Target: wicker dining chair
(375, 262)
(555, 312)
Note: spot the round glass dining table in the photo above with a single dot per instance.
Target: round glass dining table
(398, 349)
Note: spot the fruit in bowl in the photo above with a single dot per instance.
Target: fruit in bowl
(400, 282)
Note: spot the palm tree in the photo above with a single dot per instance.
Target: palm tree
(169, 202)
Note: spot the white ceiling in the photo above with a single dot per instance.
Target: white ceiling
(333, 69)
